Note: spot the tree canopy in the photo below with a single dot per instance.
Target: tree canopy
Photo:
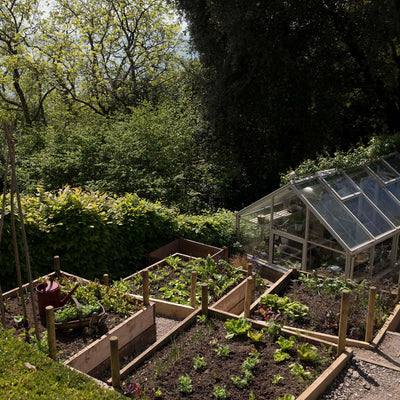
(291, 78)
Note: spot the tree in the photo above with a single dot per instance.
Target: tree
(110, 55)
(290, 79)
(23, 85)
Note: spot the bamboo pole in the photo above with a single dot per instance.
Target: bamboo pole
(14, 185)
(344, 313)
(57, 266)
(51, 332)
(370, 315)
(248, 296)
(145, 282)
(204, 299)
(3, 210)
(106, 280)
(115, 375)
(193, 284)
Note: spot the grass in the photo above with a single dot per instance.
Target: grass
(49, 380)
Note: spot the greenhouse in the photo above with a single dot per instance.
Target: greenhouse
(342, 222)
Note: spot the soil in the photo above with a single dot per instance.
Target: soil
(69, 342)
(325, 312)
(163, 369)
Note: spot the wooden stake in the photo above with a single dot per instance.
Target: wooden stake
(145, 282)
(370, 315)
(115, 375)
(248, 296)
(398, 289)
(3, 210)
(249, 269)
(57, 266)
(193, 285)
(51, 332)
(344, 313)
(204, 298)
(106, 280)
(14, 188)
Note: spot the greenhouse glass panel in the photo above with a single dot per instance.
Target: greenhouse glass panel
(383, 170)
(289, 213)
(318, 234)
(334, 213)
(376, 194)
(394, 161)
(368, 215)
(341, 184)
(394, 188)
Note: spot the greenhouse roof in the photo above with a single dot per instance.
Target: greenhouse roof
(359, 206)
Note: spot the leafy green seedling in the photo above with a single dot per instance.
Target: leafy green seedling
(222, 350)
(220, 392)
(276, 379)
(256, 336)
(237, 327)
(185, 384)
(199, 363)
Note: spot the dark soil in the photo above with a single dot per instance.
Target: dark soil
(167, 365)
(325, 311)
(69, 342)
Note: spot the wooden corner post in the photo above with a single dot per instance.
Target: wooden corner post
(369, 330)
(248, 296)
(145, 276)
(204, 299)
(344, 313)
(51, 332)
(193, 287)
(115, 375)
(57, 265)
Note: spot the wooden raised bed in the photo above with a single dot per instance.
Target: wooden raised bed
(136, 331)
(189, 248)
(391, 323)
(314, 389)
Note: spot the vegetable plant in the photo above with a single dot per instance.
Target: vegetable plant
(222, 350)
(71, 313)
(309, 353)
(247, 366)
(299, 372)
(280, 355)
(237, 327)
(277, 378)
(256, 336)
(220, 392)
(286, 344)
(185, 384)
(283, 305)
(199, 363)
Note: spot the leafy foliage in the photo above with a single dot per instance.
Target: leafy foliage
(95, 234)
(185, 384)
(237, 327)
(293, 309)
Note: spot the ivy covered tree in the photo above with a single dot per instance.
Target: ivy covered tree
(290, 79)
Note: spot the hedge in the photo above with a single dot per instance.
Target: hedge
(94, 233)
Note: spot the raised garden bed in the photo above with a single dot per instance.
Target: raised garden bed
(87, 348)
(322, 298)
(187, 247)
(241, 367)
(170, 279)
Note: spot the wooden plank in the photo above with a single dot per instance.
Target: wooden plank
(391, 324)
(172, 310)
(97, 352)
(329, 338)
(231, 299)
(141, 358)
(326, 378)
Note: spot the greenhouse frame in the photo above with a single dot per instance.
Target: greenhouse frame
(341, 222)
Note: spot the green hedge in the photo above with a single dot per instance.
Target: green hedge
(95, 234)
(49, 380)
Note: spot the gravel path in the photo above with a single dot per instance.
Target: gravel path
(370, 375)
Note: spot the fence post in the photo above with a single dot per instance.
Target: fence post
(115, 376)
(370, 315)
(145, 282)
(344, 313)
(204, 299)
(57, 265)
(249, 269)
(106, 279)
(51, 332)
(248, 296)
(193, 284)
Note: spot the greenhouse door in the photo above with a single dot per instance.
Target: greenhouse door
(288, 251)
